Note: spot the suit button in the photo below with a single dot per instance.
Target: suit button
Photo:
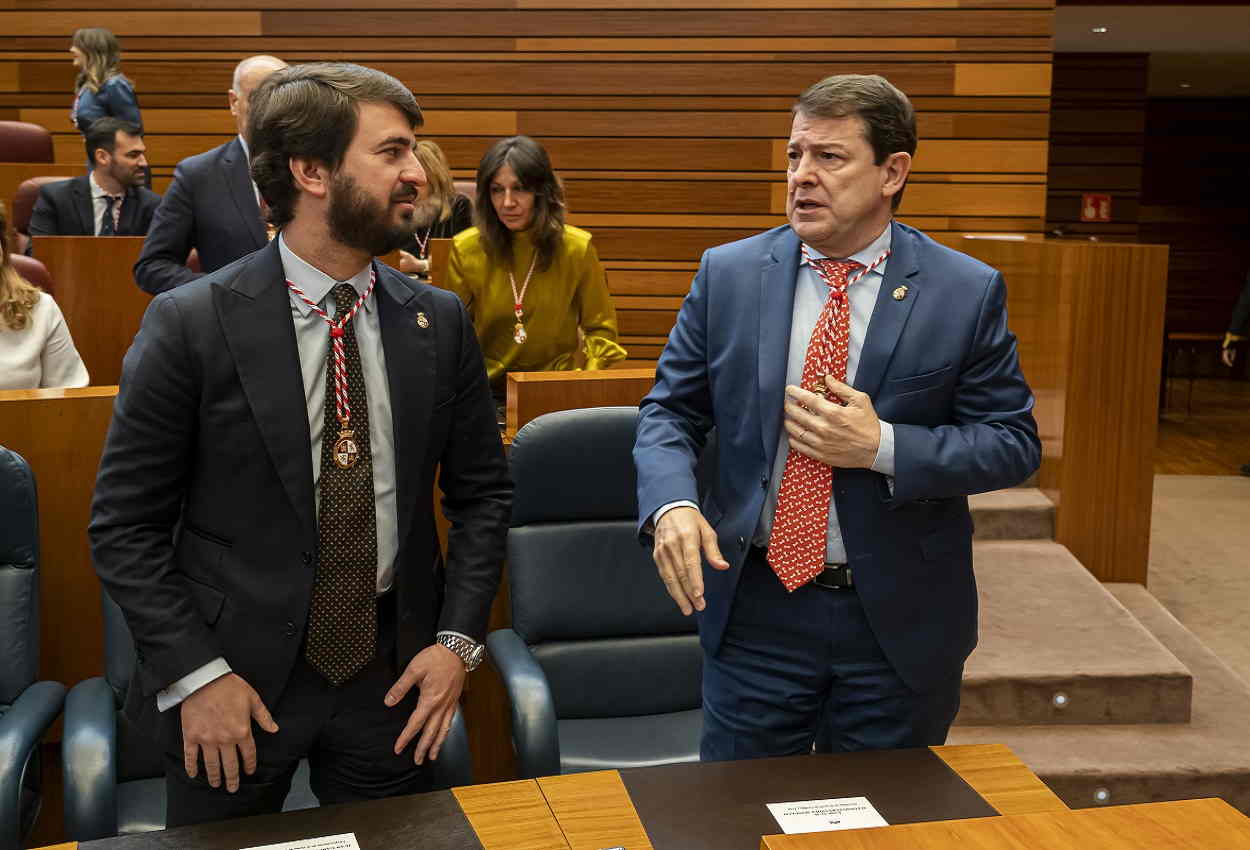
(764, 483)
(290, 628)
(308, 559)
(139, 657)
(742, 543)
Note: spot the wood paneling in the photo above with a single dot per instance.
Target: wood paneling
(1001, 778)
(61, 435)
(1097, 138)
(594, 810)
(511, 816)
(95, 291)
(1089, 319)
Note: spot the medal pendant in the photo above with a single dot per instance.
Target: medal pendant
(346, 452)
(519, 334)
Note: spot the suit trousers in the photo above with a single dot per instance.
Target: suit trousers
(804, 668)
(346, 733)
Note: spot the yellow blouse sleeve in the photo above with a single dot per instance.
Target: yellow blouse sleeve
(597, 315)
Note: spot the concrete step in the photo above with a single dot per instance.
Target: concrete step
(1097, 764)
(1019, 513)
(1057, 648)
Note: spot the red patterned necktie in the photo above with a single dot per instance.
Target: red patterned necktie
(796, 547)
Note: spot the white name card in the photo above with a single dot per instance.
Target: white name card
(824, 815)
(346, 841)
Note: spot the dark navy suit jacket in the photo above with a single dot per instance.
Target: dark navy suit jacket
(211, 207)
(940, 365)
(204, 527)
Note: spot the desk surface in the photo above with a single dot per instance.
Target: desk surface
(682, 807)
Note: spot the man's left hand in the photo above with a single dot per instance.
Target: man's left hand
(439, 675)
(845, 436)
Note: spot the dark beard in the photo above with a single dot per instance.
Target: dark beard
(360, 222)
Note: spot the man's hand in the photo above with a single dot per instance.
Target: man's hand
(439, 675)
(217, 721)
(845, 436)
(680, 536)
(1229, 356)
(409, 264)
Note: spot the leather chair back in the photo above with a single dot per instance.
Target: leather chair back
(24, 142)
(24, 204)
(34, 271)
(19, 576)
(585, 595)
(468, 188)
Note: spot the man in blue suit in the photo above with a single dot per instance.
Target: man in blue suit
(212, 205)
(844, 605)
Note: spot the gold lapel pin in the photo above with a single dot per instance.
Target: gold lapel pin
(422, 321)
(900, 293)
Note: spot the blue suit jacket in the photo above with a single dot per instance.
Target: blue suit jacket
(211, 206)
(940, 364)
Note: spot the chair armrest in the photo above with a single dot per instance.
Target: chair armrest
(454, 765)
(89, 757)
(534, 733)
(21, 727)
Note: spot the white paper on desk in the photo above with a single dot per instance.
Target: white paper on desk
(346, 841)
(823, 815)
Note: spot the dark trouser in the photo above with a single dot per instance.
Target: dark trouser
(346, 733)
(803, 668)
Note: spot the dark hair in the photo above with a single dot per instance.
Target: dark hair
(102, 133)
(311, 111)
(888, 116)
(532, 166)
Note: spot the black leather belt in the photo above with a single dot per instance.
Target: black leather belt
(832, 577)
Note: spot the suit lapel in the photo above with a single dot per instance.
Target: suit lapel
(256, 318)
(776, 313)
(236, 175)
(889, 316)
(410, 368)
(81, 190)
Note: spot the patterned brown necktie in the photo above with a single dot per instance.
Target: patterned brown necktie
(343, 620)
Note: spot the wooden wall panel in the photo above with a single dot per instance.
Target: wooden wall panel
(1097, 138)
(661, 115)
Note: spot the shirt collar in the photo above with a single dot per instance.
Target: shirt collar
(96, 191)
(315, 283)
(868, 255)
(247, 152)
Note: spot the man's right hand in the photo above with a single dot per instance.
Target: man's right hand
(681, 536)
(217, 721)
(1229, 356)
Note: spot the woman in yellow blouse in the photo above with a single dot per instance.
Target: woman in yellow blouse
(529, 280)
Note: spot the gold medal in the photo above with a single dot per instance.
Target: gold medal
(346, 452)
(519, 334)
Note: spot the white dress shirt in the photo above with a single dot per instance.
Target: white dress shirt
(42, 354)
(810, 295)
(312, 336)
(99, 203)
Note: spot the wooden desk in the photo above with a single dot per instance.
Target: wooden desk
(61, 432)
(1209, 824)
(531, 394)
(589, 811)
(96, 291)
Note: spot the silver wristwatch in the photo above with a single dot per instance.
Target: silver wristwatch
(470, 651)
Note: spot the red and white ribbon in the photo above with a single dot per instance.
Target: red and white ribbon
(342, 407)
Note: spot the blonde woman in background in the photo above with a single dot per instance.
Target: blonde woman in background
(35, 346)
(441, 214)
(101, 90)
(530, 281)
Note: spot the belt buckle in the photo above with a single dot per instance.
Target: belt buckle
(842, 570)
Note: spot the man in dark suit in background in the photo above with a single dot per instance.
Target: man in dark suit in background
(111, 200)
(264, 510)
(862, 382)
(212, 205)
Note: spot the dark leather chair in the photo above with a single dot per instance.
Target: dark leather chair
(24, 205)
(601, 668)
(24, 142)
(27, 707)
(113, 772)
(468, 188)
(34, 271)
